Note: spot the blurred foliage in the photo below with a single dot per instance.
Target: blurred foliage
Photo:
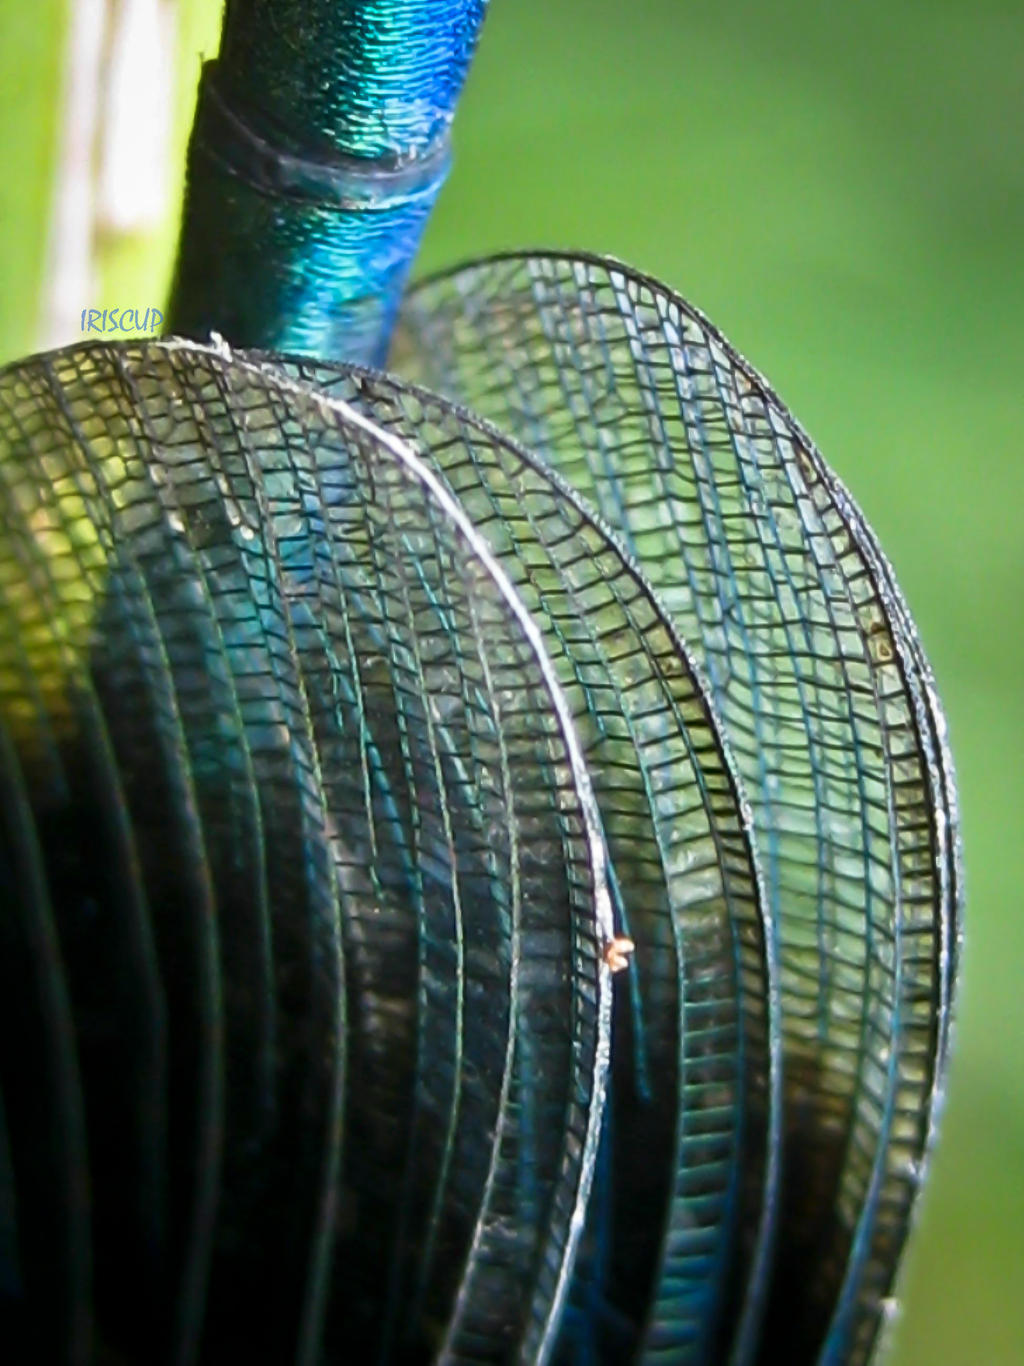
(31, 63)
(32, 59)
(842, 189)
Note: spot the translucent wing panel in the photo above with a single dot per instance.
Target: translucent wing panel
(326, 710)
(306, 903)
(671, 1240)
(777, 586)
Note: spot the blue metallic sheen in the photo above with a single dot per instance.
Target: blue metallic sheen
(370, 78)
(319, 147)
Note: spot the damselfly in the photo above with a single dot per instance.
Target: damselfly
(359, 725)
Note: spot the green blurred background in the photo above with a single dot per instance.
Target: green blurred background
(841, 187)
